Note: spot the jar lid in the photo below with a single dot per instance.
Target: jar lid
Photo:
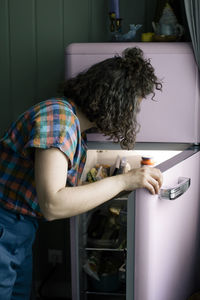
(147, 161)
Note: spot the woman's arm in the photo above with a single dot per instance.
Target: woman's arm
(58, 201)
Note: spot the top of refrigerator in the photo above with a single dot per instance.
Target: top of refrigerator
(174, 116)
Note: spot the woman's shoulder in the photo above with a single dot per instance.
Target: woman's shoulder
(50, 107)
(53, 103)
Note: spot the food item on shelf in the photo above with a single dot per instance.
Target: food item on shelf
(98, 172)
(107, 227)
(91, 266)
(115, 210)
(91, 175)
(102, 267)
(97, 225)
(121, 166)
(103, 226)
(146, 160)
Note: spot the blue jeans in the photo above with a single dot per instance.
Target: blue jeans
(17, 234)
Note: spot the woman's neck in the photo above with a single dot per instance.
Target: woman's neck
(83, 120)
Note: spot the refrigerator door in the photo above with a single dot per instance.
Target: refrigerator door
(174, 116)
(164, 244)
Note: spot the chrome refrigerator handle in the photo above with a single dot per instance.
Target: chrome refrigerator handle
(176, 191)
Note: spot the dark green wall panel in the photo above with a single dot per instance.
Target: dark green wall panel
(5, 86)
(22, 54)
(99, 20)
(49, 46)
(77, 21)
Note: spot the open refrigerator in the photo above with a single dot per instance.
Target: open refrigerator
(139, 246)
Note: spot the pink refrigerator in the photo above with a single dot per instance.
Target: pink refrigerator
(139, 246)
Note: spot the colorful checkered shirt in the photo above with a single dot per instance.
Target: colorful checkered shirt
(51, 123)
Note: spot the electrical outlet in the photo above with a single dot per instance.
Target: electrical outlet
(55, 256)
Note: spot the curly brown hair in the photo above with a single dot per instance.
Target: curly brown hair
(108, 92)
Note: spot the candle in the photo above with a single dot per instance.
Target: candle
(114, 7)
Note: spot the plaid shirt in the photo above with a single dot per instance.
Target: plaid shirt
(51, 123)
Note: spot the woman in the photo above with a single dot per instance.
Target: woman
(45, 148)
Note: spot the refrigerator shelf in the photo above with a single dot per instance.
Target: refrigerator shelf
(122, 198)
(105, 249)
(120, 294)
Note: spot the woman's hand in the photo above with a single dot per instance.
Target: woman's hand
(144, 177)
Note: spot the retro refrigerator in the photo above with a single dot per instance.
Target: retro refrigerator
(139, 246)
